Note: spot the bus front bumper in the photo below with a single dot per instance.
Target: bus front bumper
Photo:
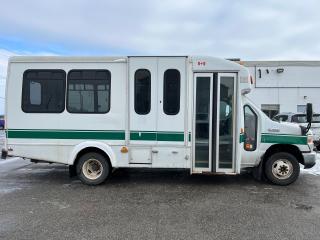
(309, 159)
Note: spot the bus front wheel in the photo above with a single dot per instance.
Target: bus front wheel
(282, 168)
(93, 168)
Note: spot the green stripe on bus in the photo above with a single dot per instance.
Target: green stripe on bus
(95, 134)
(170, 136)
(284, 139)
(157, 136)
(67, 134)
(242, 138)
(137, 136)
(143, 136)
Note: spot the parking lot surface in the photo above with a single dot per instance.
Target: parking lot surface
(40, 201)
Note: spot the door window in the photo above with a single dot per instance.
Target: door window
(226, 102)
(142, 91)
(250, 129)
(202, 128)
(171, 92)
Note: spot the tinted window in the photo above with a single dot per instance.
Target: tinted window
(302, 118)
(316, 118)
(276, 118)
(283, 118)
(142, 91)
(89, 91)
(250, 129)
(280, 118)
(171, 92)
(43, 91)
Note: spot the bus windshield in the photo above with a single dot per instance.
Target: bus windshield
(302, 118)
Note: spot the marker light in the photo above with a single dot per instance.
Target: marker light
(124, 150)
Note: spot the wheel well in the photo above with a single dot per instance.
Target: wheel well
(294, 150)
(91, 149)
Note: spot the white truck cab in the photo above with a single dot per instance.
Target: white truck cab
(186, 112)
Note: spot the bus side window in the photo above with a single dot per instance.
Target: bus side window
(89, 91)
(250, 129)
(43, 91)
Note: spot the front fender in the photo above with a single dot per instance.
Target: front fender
(102, 146)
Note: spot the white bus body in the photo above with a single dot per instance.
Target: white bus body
(98, 113)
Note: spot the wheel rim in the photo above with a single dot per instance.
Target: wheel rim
(282, 169)
(92, 169)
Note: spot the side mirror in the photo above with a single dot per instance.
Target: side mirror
(309, 112)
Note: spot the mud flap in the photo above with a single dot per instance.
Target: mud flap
(72, 171)
(258, 172)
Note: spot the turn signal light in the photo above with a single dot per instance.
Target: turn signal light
(124, 150)
(248, 146)
(310, 139)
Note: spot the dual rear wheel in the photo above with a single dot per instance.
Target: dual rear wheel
(93, 168)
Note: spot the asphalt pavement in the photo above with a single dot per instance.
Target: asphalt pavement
(40, 201)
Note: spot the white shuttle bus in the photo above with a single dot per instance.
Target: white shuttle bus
(99, 113)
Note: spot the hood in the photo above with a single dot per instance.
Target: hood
(314, 129)
(288, 128)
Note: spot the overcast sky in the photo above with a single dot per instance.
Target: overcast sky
(250, 30)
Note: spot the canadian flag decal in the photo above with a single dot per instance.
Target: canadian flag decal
(201, 63)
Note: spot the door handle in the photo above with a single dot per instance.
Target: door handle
(155, 151)
(175, 152)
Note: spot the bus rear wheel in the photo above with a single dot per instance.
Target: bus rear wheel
(282, 168)
(93, 168)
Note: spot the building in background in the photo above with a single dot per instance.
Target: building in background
(285, 86)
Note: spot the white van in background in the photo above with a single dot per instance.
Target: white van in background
(301, 119)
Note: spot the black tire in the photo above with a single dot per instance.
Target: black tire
(276, 173)
(318, 147)
(97, 161)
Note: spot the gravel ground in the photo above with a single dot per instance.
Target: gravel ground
(40, 201)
